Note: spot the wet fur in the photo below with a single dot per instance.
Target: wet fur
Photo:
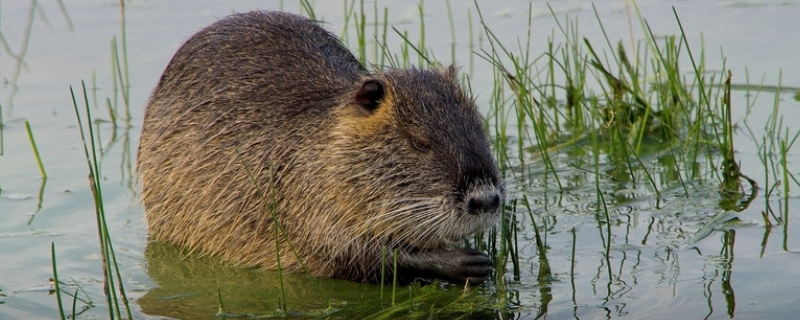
(268, 105)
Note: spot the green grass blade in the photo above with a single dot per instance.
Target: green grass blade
(55, 280)
(35, 149)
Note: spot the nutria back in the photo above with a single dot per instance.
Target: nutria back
(264, 127)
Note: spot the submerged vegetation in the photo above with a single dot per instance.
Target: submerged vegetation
(585, 133)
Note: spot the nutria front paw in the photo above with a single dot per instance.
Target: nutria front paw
(456, 266)
(466, 265)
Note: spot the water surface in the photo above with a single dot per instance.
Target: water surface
(677, 256)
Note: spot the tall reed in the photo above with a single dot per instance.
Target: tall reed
(115, 293)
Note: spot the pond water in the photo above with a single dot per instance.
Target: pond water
(677, 255)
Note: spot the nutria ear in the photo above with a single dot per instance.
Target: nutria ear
(370, 94)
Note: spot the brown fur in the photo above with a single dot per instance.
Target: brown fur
(266, 112)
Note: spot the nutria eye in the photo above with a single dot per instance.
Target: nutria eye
(420, 145)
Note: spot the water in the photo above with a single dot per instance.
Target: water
(676, 257)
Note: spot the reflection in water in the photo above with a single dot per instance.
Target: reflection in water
(633, 256)
(544, 277)
(19, 59)
(722, 268)
(727, 254)
(191, 287)
(19, 55)
(41, 200)
(120, 135)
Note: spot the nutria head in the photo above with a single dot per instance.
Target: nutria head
(410, 149)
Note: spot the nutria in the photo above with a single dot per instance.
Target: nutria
(266, 114)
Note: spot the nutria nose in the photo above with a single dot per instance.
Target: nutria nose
(484, 202)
